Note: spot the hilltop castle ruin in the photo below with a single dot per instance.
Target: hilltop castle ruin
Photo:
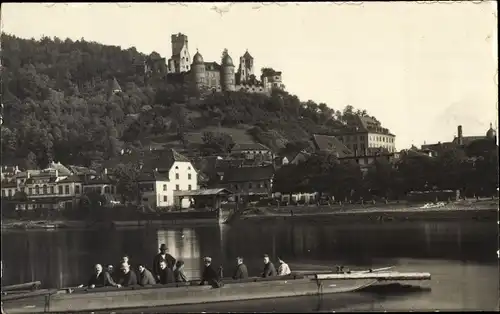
(217, 77)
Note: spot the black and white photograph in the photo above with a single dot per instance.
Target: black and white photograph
(292, 157)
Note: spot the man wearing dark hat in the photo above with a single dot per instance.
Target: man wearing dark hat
(241, 271)
(163, 255)
(269, 270)
(209, 275)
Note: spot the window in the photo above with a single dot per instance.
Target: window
(176, 167)
(60, 188)
(189, 187)
(37, 189)
(107, 190)
(177, 187)
(164, 187)
(77, 189)
(66, 189)
(164, 198)
(51, 190)
(3, 192)
(250, 185)
(189, 176)
(177, 176)
(30, 191)
(189, 168)
(45, 189)
(265, 185)
(10, 192)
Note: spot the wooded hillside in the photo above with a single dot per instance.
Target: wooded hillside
(58, 106)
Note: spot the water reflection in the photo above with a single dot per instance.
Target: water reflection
(183, 244)
(65, 258)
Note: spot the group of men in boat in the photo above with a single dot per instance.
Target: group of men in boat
(166, 269)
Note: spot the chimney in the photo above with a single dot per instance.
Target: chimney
(460, 135)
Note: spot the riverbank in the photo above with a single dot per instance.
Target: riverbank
(184, 218)
(461, 210)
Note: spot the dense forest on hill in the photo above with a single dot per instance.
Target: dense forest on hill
(58, 105)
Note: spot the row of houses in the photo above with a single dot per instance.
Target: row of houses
(168, 178)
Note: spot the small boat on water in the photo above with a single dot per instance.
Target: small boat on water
(102, 299)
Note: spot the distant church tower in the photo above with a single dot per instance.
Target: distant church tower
(246, 67)
(227, 75)
(180, 60)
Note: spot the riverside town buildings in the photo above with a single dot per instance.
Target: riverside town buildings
(58, 186)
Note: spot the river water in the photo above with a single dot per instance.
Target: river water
(460, 256)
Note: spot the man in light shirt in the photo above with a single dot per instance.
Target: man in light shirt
(283, 269)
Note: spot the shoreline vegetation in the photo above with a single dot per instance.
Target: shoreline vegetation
(484, 209)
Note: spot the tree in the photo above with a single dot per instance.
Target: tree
(220, 142)
(127, 181)
(381, 177)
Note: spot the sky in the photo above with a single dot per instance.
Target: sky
(421, 68)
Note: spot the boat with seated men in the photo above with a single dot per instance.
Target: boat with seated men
(110, 298)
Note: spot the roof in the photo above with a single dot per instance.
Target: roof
(292, 156)
(61, 169)
(73, 178)
(329, 143)
(246, 174)
(78, 170)
(249, 146)
(266, 72)
(466, 140)
(203, 192)
(227, 61)
(114, 86)
(152, 176)
(198, 58)
(247, 55)
(156, 159)
(103, 179)
(212, 66)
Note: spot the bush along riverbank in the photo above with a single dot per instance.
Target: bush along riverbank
(466, 211)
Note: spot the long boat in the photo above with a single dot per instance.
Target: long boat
(110, 298)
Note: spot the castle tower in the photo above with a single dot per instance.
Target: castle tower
(198, 71)
(246, 67)
(180, 60)
(227, 75)
(491, 133)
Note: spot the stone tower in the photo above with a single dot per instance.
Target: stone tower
(246, 67)
(198, 71)
(180, 60)
(227, 75)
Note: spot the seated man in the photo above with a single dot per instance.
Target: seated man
(100, 279)
(165, 274)
(179, 274)
(127, 277)
(241, 271)
(145, 276)
(209, 275)
(283, 269)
